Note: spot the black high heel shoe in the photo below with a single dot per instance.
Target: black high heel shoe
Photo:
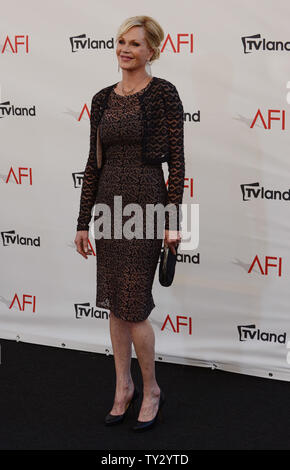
(144, 425)
(116, 419)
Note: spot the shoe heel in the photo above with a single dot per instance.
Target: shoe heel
(145, 425)
(109, 419)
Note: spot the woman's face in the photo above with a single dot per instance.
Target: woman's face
(132, 50)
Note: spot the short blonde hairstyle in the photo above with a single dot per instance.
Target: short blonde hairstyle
(154, 34)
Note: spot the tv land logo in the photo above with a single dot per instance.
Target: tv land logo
(254, 191)
(254, 43)
(8, 109)
(82, 42)
(85, 310)
(251, 333)
(10, 237)
(78, 178)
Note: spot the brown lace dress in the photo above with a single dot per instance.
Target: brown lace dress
(126, 267)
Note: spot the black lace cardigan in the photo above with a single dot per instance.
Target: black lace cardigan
(163, 141)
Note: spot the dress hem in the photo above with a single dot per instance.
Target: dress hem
(99, 304)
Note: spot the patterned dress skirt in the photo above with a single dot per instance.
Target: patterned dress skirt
(126, 266)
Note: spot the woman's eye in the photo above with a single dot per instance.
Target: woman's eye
(135, 43)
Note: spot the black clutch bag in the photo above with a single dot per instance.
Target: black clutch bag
(167, 266)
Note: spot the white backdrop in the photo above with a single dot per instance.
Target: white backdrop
(229, 61)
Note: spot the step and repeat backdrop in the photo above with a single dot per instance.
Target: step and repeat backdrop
(230, 62)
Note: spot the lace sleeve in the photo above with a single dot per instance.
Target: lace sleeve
(176, 165)
(91, 175)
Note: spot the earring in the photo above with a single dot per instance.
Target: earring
(149, 68)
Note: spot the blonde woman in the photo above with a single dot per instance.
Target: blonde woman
(136, 125)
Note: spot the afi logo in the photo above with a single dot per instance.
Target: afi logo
(21, 174)
(180, 320)
(266, 122)
(178, 42)
(21, 302)
(13, 44)
(266, 265)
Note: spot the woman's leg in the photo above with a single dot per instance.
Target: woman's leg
(144, 344)
(122, 348)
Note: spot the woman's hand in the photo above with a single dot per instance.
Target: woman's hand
(81, 242)
(172, 238)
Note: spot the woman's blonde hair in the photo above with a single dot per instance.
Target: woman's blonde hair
(154, 34)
